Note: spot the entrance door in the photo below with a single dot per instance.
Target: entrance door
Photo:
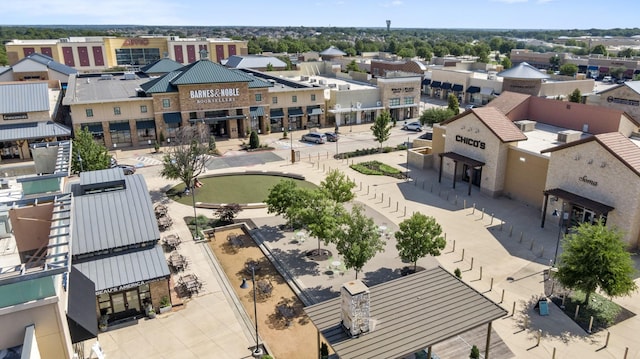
(476, 175)
(125, 300)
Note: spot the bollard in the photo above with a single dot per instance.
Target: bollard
(405, 211)
(480, 272)
(462, 255)
(445, 236)
(502, 297)
(501, 224)
(539, 335)
(491, 220)
(590, 324)
(389, 201)
(367, 189)
(454, 246)
(513, 310)
(541, 251)
(606, 342)
(471, 263)
(464, 204)
(455, 201)
(474, 209)
(533, 241)
(382, 200)
(575, 316)
(626, 351)
(361, 186)
(521, 234)
(396, 206)
(491, 286)
(375, 195)
(482, 216)
(553, 355)
(510, 230)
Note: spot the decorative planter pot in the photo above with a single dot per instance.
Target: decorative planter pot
(165, 309)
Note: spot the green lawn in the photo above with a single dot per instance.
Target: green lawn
(232, 189)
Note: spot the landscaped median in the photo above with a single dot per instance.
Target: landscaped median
(377, 168)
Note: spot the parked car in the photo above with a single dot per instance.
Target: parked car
(426, 136)
(331, 136)
(469, 107)
(607, 79)
(127, 169)
(314, 137)
(412, 126)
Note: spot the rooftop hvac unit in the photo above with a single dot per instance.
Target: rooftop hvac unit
(129, 76)
(304, 78)
(526, 125)
(312, 80)
(332, 86)
(106, 77)
(568, 136)
(322, 82)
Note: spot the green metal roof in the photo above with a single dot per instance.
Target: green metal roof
(161, 66)
(161, 84)
(205, 71)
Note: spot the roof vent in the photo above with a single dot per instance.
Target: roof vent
(568, 136)
(526, 125)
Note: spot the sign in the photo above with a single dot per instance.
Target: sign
(588, 181)
(215, 95)
(127, 286)
(136, 42)
(15, 116)
(623, 101)
(471, 142)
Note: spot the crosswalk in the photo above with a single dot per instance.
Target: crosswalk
(147, 161)
(287, 144)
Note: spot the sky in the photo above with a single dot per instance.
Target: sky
(470, 14)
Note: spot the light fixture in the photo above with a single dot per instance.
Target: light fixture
(522, 159)
(257, 352)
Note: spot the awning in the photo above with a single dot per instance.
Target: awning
(276, 113)
(597, 207)
(256, 111)
(603, 69)
(81, 309)
(172, 117)
(115, 273)
(426, 81)
(462, 158)
(436, 84)
(446, 85)
(94, 128)
(119, 126)
(457, 87)
(141, 125)
(404, 106)
(592, 68)
(486, 91)
(295, 112)
(473, 89)
(211, 120)
(314, 111)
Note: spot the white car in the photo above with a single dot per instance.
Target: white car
(412, 126)
(314, 137)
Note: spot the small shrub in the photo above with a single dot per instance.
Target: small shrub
(475, 352)
(387, 149)
(324, 351)
(228, 212)
(457, 273)
(164, 301)
(254, 140)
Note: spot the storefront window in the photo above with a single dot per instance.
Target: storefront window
(9, 150)
(171, 129)
(276, 125)
(146, 134)
(121, 138)
(255, 124)
(394, 101)
(408, 100)
(104, 303)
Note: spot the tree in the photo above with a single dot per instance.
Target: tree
(338, 187)
(506, 63)
(453, 104)
(352, 66)
(418, 237)
(627, 52)
(382, 127)
(407, 53)
(88, 155)
(575, 96)
(568, 69)
(212, 144)
(475, 352)
(186, 158)
(435, 115)
(599, 49)
(594, 257)
(228, 212)
(269, 67)
(319, 214)
(554, 61)
(254, 140)
(618, 72)
(358, 239)
(282, 197)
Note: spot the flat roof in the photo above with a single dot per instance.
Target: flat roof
(543, 137)
(84, 89)
(410, 313)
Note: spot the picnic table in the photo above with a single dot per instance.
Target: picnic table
(177, 261)
(171, 241)
(190, 283)
(164, 222)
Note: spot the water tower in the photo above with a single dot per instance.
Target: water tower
(388, 24)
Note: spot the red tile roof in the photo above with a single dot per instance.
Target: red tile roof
(507, 101)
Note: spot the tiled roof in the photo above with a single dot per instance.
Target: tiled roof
(161, 66)
(205, 71)
(254, 61)
(497, 123)
(616, 143)
(523, 71)
(508, 101)
(24, 97)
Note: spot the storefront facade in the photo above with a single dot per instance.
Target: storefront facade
(624, 97)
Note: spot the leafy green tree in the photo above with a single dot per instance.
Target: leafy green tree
(88, 155)
(382, 127)
(554, 61)
(568, 69)
(627, 52)
(269, 67)
(186, 158)
(357, 239)
(254, 140)
(594, 257)
(453, 104)
(575, 96)
(600, 49)
(319, 214)
(506, 63)
(338, 186)
(407, 53)
(435, 115)
(228, 212)
(424, 52)
(475, 352)
(418, 237)
(618, 72)
(352, 66)
(282, 197)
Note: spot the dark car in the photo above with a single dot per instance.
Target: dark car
(127, 169)
(331, 136)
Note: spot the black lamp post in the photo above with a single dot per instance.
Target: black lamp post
(293, 153)
(560, 225)
(80, 161)
(351, 119)
(257, 352)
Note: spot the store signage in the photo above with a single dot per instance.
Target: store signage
(136, 42)
(215, 95)
(127, 286)
(398, 89)
(588, 181)
(623, 101)
(471, 142)
(15, 116)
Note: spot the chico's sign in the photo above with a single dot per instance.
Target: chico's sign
(471, 142)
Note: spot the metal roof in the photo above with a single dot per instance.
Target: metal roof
(254, 61)
(162, 66)
(32, 130)
(333, 51)
(161, 84)
(205, 71)
(50, 63)
(106, 176)
(523, 71)
(114, 219)
(24, 97)
(410, 313)
(128, 268)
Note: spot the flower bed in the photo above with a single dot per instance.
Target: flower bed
(377, 168)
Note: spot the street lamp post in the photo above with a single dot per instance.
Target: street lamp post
(560, 226)
(257, 352)
(293, 153)
(351, 119)
(80, 161)
(195, 215)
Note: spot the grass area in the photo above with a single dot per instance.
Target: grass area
(377, 168)
(605, 312)
(232, 189)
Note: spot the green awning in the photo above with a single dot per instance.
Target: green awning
(172, 117)
(256, 111)
(295, 112)
(119, 126)
(277, 113)
(94, 127)
(141, 125)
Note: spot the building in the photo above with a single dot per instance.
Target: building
(38, 67)
(116, 244)
(46, 307)
(255, 62)
(379, 68)
(553, 155)
(623, 97)
(96, 54)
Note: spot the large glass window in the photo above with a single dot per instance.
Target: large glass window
(408, 100)
(394, 101)
(146, 134)
(129, 56)
(171, 129)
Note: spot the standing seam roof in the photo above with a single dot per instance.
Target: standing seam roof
(24, 97)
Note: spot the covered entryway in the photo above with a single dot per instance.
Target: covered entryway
(472, 169)
(575, 208)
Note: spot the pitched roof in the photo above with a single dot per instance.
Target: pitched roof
(411, 313)
(495, 121)
(50, 63)
(162, 66)
(508, 101)
(23, 97)
(205, 71)
(633, 85)
(616, 143)
(32, 130)
(254, 61)
(161, 84)
(333, 51)
(523, 71)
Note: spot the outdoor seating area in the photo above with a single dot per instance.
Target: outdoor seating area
(177, 261)
(164, 221)
(189, 284)
(171, 242)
